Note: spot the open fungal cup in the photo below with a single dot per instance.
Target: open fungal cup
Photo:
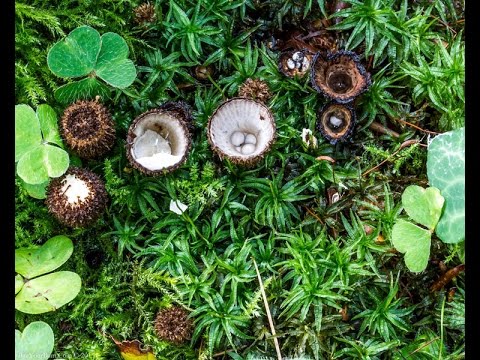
(340, 76)
(78, 198)
(158, 140)
(336, 122)
(295, 63)
(241, 130)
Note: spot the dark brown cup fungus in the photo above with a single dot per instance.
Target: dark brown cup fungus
(339, 76)
(158, 140)
(336, 122)
(88, 129)
(173, 325)
(295, 63)
(78, 198)
(241, 130)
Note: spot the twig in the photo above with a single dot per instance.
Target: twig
(416, 127)
(267, 309)
(375, 126)
(314, 215)
(447, 277)
(424, 345)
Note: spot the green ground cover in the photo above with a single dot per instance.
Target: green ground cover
(359, 244)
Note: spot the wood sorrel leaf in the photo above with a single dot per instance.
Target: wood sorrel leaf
(35, 342)
(48, 257)
(414, 241)
(77, 54)
(424, 206)
(48, 292)
(37, 159)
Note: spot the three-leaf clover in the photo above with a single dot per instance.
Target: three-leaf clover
(35, 342)
(37, 289)
(85, 53)
(38, 146)
(423, 206)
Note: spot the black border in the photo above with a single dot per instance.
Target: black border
(7, 316)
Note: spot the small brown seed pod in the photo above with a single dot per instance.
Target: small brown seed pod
(88, 129)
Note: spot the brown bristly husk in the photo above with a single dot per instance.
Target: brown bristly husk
(173, 325)
(88, 129)
(83, 213)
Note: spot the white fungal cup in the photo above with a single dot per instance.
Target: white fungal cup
(241, 129)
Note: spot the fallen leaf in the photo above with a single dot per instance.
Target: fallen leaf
(132, 350)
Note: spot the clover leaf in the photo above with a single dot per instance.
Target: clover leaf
(50, 256)
(446, 171)
(36, 292)
(38, 151)
(85, 53)
(423, 206)
(35, 342)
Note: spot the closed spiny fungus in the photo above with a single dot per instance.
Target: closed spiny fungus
(335, 122)
(295, 63)
(78, 198)
(255, 89)
(145, 13)
(159, 140)
(339, 76)
(88, 129)
(173, 325)
(241, 130)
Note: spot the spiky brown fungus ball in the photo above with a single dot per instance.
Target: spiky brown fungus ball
(145, 13)
(78, 198)
(255, 89)
(158, 141)
(335, 122)
(88, 129)
(173, 325)
(295, 63)
(241, 130)
(339, 76)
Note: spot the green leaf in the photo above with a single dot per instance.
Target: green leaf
(120, 73)
(37, 160)
(44, 161)
(414, 241)
(27, 130)
(77, 54)
(114, 48)
(112, 65)
(37, 191)
(424, 206)
(446, 171)
(48, 124)
(36, 342)
(84, 89)
(18, 283)
(48, 293)
(50, 256)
